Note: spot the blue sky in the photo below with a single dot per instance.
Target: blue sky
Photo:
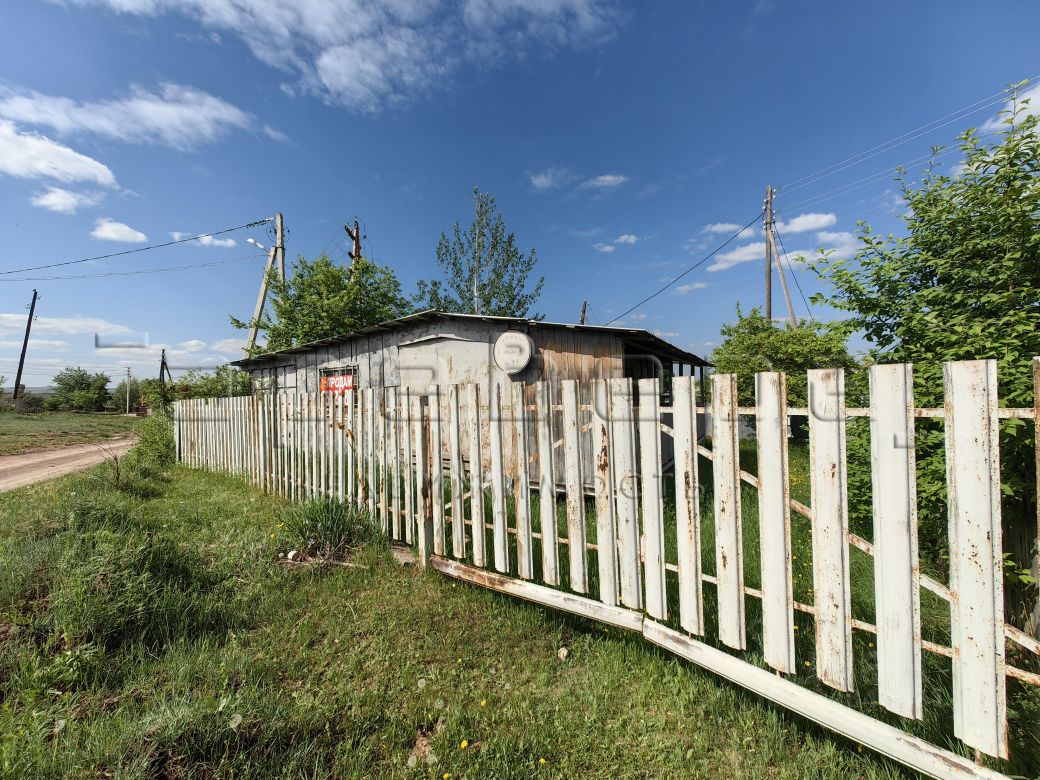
(622, 140)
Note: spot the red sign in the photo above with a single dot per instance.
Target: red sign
(337, 383)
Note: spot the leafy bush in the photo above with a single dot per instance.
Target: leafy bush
(30, 404)
(325, 528)
(77, 390)
(155, 443)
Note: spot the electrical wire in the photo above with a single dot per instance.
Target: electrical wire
(899, 140)
(794, 276)
(138, 249)
(696, 265)
(874, 177)
(132, 273)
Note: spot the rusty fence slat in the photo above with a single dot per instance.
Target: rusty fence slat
(687, 505)
(729, 556)
(606, 533)
(830, 528)
(976, 570)
(774, 521)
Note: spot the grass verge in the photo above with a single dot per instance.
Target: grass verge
(151, 634)
(21, 433)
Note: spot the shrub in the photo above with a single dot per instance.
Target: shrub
(155, 443)
(325, 528)
(30, 404)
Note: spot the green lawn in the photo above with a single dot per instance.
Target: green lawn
(148, 632)
(49, 430)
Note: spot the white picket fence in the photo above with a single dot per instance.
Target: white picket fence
(377, 449)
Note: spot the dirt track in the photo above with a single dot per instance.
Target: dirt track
(19, 470)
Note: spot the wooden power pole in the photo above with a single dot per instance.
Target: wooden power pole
(276, 254)
(355, 238)
(261, 298)
(584, 311)
(773, 255)
(25, 346)
(769, 251)
(279, 244)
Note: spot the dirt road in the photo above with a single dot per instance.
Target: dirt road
(19, 470)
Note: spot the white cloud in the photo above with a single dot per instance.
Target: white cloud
(33, 156)
(720, 227)
(607, 181)
(549, 179)
(46, 345)
(601, 247)
(626, 238)
(367, 54)
(66, 326)
(178, 116)
(106, 229)
(742, 254)
(841, 244)
(805, 223)
(230, 346)
(683, 289)
(1033, 109)
(192, 345)
(205, 240)
(65, 201)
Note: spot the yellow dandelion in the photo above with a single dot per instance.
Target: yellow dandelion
(796, 628)
(859, 748)
(483, 702)
(464, 744)
(870, 644)
(541, 761)
(446, 776)
(808, 664)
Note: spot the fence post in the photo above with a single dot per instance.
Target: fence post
(421, 416)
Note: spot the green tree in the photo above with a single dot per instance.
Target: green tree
(78, 390)
(962, 284)
(119, 395)
(483, 271)
(222, 382)
(322, 299)
(753, 344)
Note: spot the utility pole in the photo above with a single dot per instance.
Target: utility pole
(275, 254)
(771, 239)
(355, 237)
(769, 251)
(128, 389)
(164, 372)
(584, 309)
(773, 255)
(261, 298)
(25, 346)
(279, 244)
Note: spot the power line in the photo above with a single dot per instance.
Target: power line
(899, 140)
(794, 276)
(138, 249)
(864, 181)
(696, 265)
(131, 273)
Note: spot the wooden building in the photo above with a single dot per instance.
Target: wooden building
(433, 348)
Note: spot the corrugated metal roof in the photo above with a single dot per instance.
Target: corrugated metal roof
(644, 339)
